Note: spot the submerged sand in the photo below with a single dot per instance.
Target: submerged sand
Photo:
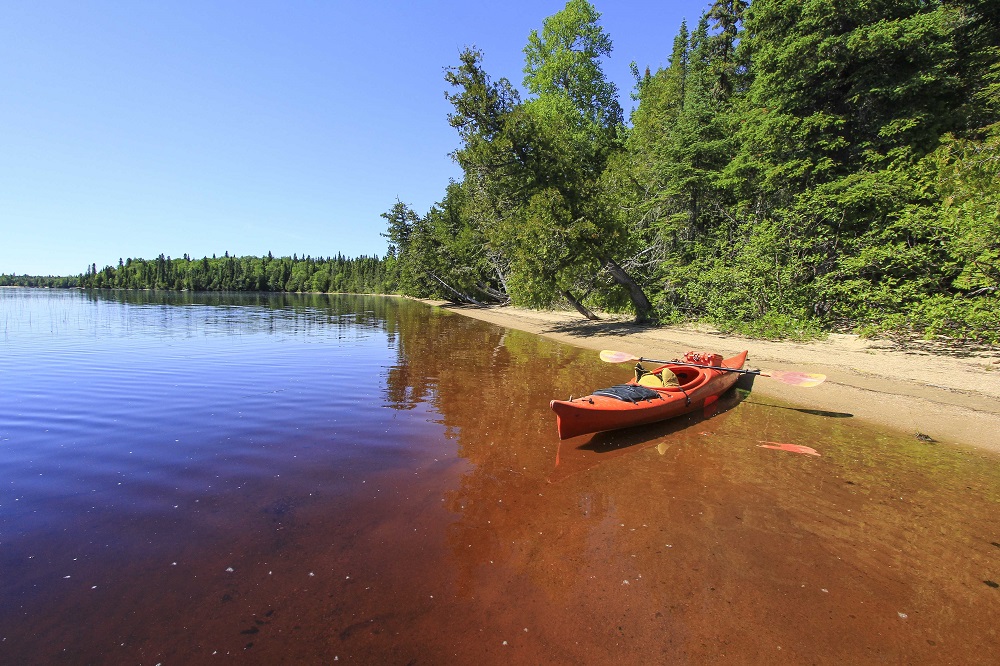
(922, 388)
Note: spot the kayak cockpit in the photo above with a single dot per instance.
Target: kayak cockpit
(684, 379)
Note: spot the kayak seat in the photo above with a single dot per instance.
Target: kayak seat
(651, 380)
(669, 378)
(687, 379)
(662, 379)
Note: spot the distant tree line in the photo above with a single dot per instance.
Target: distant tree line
(799, 166)
(46, 281)
(268, 273)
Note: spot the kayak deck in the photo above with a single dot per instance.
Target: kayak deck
(598, 413)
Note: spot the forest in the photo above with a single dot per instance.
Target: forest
(357, 275)
(41, 281)
(800, 166)
(360, 275)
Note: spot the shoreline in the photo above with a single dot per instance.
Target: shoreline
(916, 389)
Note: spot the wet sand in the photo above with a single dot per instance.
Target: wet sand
(920, 388)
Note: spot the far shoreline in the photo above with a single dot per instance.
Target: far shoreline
(918, 390)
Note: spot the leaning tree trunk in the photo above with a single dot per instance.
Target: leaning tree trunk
(461, 297)
(580, 307)
(498, 296)
(643, 308)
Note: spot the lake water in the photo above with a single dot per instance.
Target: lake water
(309, 479)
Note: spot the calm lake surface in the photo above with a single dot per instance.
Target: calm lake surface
(308, 479)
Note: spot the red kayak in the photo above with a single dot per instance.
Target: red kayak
(640, 401)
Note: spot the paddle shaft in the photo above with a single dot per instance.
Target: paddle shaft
(802, 379)
(699, 365)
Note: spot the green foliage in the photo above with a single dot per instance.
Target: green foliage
(800, 166)
(956, 317)
(282, 274)
(407, 237)
(565, 60)
(968, 183)
(533, 168)
(844, 99)
(45, 281)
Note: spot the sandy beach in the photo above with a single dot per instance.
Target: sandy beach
(919, 388)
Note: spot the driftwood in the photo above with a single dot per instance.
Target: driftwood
(462, 297)
(498, 296)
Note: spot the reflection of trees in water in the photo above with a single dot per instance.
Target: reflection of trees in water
(489, 384)
(491, 387)
(180, 314)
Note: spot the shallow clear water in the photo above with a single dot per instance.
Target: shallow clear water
(299, 479)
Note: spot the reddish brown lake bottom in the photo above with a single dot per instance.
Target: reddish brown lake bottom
(678, 543)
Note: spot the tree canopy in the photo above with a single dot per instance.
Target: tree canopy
(798, 166)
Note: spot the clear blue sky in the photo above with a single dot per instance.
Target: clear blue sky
(128, 129)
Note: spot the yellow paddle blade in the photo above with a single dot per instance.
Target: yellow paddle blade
(609, 356)
(800, 379)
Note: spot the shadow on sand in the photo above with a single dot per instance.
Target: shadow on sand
(814, 412)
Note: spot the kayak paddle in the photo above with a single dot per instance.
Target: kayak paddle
(790, 377)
